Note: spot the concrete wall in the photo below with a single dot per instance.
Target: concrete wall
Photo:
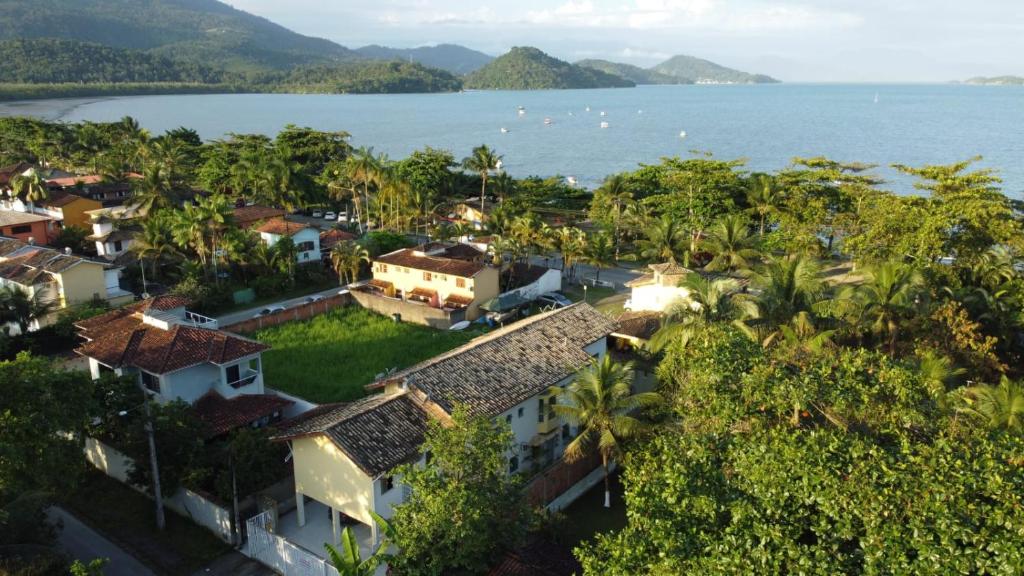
(325, 473)
(551, 281)
(412, 312)
(300, 406)
(81, 282)
(190, 383)
(295, 313)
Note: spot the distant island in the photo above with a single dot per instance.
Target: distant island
(632, 73)
(996, 81)
(679, 69)
(526, 68)
(448, 57)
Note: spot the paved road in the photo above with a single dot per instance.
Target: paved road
(234, 564)
(85, 544)
(235, 317)
(618, 275)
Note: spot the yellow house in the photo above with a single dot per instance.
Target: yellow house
(71, 208)
(52, 275)
(440, 275)
(471, 212)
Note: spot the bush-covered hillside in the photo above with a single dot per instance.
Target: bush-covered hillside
(526, 68)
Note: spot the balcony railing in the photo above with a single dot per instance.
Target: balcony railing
(200, 321)
(249, 378)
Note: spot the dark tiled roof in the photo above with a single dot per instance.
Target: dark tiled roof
(463, 252)
(377, 433)
(281, 227)
(437, 264)
(120, 234)
(26, 263)
(246, 215)
(222, 415)
(640, 325)
(523, 274)
(669, 269)
(329, 238)
(499, 370)
(8, 172)
(60, 198)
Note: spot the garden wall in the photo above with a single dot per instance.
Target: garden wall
(299, 312)
(411, 312)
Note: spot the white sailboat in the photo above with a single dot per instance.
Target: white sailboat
(603, 113)
(587, 109)
(604, 124)
(682, 133)
(548, 121)
(504, 130)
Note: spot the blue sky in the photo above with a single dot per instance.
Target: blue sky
(795, 40)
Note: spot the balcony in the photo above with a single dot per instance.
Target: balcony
(247, 378)
(199, 321)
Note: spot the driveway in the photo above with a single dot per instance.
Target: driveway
(618, 275)
(235, 317)
(85, 544)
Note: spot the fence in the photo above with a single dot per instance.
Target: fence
(281, 555)
(554, 481)
(300, 312)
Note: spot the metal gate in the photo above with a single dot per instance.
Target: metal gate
(280, 554)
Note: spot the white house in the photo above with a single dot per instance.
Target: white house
(344, 454)
(109, 230)
(659, 289)
(306, 238)
(179, 355)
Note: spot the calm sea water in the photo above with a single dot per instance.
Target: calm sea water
(767, 125)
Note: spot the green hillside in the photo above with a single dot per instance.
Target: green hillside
(632, 73)
(997, 80)
(525, 68)
(204, 31)
(373, 77)
(451, 57)
(698, 70)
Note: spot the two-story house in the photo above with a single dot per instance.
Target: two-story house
(60, 277)
(444, 276)
(28, 227)
(659, 289)
(305, 237)
(114, 229)
(344, 454)
(179, 355)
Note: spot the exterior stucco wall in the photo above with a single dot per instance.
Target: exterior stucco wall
(326, 474)
(82, 282)
(656, 298)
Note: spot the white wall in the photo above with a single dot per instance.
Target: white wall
(551, 281)
(304, 235)
(190, 383)
(655, 298)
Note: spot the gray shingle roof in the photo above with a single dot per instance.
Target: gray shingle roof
(494, 373)
(377, 433)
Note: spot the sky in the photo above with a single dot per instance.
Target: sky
(793, 40)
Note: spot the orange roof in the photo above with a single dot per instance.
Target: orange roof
(281, 227)
(246, 215)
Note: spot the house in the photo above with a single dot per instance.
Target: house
(471, 212)
(69, 209)
(113, 230)
(34, 228)
(344, 454)
(305, 237)
(441, 277)
(92, 186)
(659, 289)
(330, 238)
(180, 355)
(246, 217)
(60, 277)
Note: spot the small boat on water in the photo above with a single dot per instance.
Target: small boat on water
(604, 124)
(548, 121)
(587, 109)
(682, 133)
(639, 111)
(570, 180)
(603, 113)
(504, 130)
(522, 111)
(876, 97)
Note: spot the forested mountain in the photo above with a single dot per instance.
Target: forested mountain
(56, 61)
(632, 73)
(451, 57)
(704, 71)
(201, 30)
(372, 77)
(526, 68)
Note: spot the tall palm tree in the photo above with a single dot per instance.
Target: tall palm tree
(31, 187)
(570, 242)
(16, 306)
(503, 185)
(732, 244)
(346, 257)
(599, 253)
(664, 240)
(155, 243)
(786, 287)
(763, 198)
(483, 161)
(889, 292)
(708, 300)
(153, 189)
(361, 167)
(999, 407)
(615, 187)
(600, 403)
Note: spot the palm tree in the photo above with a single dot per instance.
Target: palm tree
(503, 185)
(349, 561)
(346, 257)
(361, 166)
(939, 375)
(890, 292)
(787, 286)
(153, 189)
(620, 198)
(599, 253)
(730, 240)
(483, 160)
(600, 403)
(570, 242)
(708, 300)
(285, 253)
(31, 187)
(18, 307)
(155, 243)
(999, 407)
(664, 240)
(763, 198)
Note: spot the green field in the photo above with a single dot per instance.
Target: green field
(333, 356)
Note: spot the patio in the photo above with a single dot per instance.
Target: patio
(317, 530)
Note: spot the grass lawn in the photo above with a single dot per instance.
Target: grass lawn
(587, 516)
(594, 293)
(332, 356)
(127, 518)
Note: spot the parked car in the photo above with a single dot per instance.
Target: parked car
(269, 311)
(330, 216)
(343, 217)
(314, 298)
(318, 214)
(553, 299)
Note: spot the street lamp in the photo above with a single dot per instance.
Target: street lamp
(155, 470)
(584, 293)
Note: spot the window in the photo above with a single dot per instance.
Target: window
(427, 276)
(513, 464)
(540, 410)
(508, 419)
(520, 412)
(386, 484)
(306, 246)
(234, 374)
(551, 406)
(118, 246)
(21, 230)
(382, 267)
(566, 432)
(460, 282)
(150, 381)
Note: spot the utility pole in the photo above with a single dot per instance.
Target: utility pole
(157, 496)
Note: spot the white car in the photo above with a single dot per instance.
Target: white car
(553, 299)
(269, 311)
(342, 217)
(314, 298)
(318, 214)
(330, 216)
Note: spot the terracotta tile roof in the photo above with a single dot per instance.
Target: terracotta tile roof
(281, 227)
(377, 433)
(222, 415)
(329, 238)
(438, 264)
(455, 300)
(10, 171)
(382, 284)
(247, 215)
(463, 252)
(74, 180)
(14, 218)
(495, 372)
(423, 292)
(640, 325)
(22, 262)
